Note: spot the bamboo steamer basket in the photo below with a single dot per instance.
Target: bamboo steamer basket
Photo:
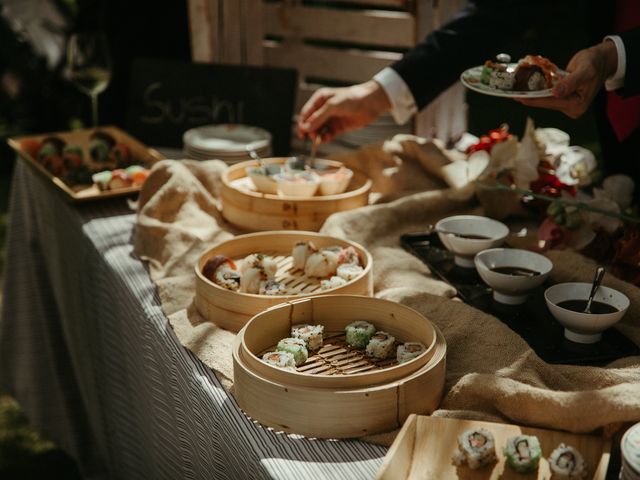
(338, 412)
(232, 310)
(337, 366)
(251, 210)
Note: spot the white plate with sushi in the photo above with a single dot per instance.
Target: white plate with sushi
(532, 77)
(446, 448)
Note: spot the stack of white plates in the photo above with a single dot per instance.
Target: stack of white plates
(229, 143)
(630, 449)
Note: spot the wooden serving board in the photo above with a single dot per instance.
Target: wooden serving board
(84, 193)
(425, 445)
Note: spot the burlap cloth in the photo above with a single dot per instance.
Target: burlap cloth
(492, 374)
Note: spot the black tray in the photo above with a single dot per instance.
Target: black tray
(531, 320)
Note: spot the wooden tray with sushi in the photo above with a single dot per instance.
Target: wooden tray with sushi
(340, 405)
(70, 158)
(425, 446)
(231, 302)
(249, 209)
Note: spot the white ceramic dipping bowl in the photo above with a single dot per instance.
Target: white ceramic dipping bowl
(584, 327)
(512, 289)
(303, 185)
(331, 184)
(263, 183)
(464, 249)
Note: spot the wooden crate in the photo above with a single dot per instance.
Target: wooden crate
(330, 43)
(346, 412)
(232, 310)
(255, 211)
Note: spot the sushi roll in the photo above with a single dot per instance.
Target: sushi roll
(348, 256)
(523, 453)
(311, 334)
(381, 345)
(567, 463)
(322, 264)
(409, 351)
(300, 253)
(529, 78)
(280, 359)
(349, 271)
(72, 156)
(476, 448)
(333, 282)
(120, 155)
(100, 145)
(502, 79)
(262, 262)
(272, 287)
(222, 271)
(297, 347)
(358, 334)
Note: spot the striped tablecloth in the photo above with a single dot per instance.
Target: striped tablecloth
(87, 351)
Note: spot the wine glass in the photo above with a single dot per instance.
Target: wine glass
(89, 66)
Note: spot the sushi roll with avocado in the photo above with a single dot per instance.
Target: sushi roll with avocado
(476, 448)
(311, 334)
(409, 351)
(358, 334)
(100, 145)
(296, 347)
(523, 453)
(280, 359)
(381, 345)
(566, 463)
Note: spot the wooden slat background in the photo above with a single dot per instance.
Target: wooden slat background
(336, 42)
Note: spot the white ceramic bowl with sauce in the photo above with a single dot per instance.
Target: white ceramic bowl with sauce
(334, 182)
(528, 271)
(466, 235)
(583, 327)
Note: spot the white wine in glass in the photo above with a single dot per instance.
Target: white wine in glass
(89, 66)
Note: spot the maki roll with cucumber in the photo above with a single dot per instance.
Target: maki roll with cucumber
(523, 453)
(358, 334)
(296, 347)
(409, 350)
(476, 448)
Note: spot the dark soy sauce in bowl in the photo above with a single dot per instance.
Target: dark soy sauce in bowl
(515, 271)
(598, 308)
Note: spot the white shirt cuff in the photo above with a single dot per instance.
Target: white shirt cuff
(616, 81)
(403, 105)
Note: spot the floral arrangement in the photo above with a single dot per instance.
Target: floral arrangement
(544, 175)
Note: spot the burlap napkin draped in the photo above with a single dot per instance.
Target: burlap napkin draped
(492, 373)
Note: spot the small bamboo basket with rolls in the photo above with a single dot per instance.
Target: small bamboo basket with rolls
(326, 402)
(232, 309)
(251, 210)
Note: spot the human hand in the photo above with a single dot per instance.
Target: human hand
(588, 70)
(332, 111)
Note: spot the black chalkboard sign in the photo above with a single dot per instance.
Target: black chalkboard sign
(168, 97)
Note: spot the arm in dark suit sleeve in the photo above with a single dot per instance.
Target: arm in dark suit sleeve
(631, 40)
(476, 34)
